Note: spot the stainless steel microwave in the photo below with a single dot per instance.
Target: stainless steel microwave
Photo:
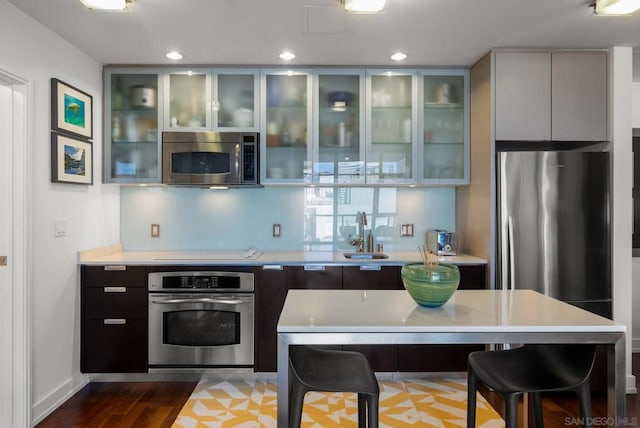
(210, 158)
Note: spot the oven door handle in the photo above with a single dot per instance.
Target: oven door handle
(202, 300)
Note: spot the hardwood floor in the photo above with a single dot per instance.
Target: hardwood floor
(157, 404)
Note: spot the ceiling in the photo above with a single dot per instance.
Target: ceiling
(432, 32)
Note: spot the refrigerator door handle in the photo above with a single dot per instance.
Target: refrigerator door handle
(510, 269)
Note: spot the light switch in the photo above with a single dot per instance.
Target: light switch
(155, 230)
(276, 230)
(60, 227)
(406, 230)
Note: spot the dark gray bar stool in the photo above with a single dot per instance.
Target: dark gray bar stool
(531, 369)
(312, 369)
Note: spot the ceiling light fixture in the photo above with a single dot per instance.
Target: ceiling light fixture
(399, 56)
(105, 4)
(615, 7)
(287, 55)
(364, 6)
(174, 55)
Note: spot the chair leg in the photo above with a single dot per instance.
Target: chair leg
(472, 385)
(372, 410)
(511, 410)
(362, 410)
(537, 409)
(296, 402)
(584, 399)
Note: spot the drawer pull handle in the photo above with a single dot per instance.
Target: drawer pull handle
(370, 267)
(115, 321)
(313, 267)
(115, 289)
(272, 267)
(115, 267)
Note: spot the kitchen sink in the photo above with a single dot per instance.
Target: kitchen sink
(366, 256)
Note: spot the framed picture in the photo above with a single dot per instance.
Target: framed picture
(71, 110)
(71, 159)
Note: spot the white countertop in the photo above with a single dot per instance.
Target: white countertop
(115, 255)
(468, 311)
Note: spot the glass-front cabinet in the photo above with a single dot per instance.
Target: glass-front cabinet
(286, 125)
(445, 127)
(132, 131)
(391, 127)
(211, 100)
(338, 154)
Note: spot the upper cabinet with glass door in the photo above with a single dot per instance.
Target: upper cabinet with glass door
(391, 127)
(132, 114)
(445, 127)
(286, 123)
(211, 100)
(338, 111)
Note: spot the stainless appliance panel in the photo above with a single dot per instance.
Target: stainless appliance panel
(204, 313)
(554, 224)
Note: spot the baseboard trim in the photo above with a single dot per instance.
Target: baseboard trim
(56, 398)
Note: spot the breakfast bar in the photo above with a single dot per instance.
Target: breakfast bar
(358, 317)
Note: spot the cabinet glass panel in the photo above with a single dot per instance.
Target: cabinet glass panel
(444, 127)
(286, 128)
(188, 100)
(339, 157)
(134, 128)
(235, 101)
(390, 154)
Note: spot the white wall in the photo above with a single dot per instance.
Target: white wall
(33, 52)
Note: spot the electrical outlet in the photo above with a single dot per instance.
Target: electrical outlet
(276, 230)
(155, 230)
(406, 230)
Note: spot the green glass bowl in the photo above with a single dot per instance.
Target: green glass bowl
(432, 287)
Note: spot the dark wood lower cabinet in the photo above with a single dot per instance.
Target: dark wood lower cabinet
(115, 348)
(271, 290)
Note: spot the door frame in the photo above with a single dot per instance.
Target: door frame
(18, 316)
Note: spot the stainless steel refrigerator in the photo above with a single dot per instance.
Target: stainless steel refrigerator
(553, 225)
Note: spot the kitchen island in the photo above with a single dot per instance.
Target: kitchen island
(358, 317)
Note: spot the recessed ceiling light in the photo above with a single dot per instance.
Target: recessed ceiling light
(105, 4)
(616, 7)
(364, 6)
(287, 55)
(174, 55)
(398, 56)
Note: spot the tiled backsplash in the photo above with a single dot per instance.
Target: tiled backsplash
(311, 218)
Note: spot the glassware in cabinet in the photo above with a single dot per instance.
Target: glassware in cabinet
(286, 155)
(188, 101)
(338, 113)
(391, 127)
(131, 140)
(235, 102)
(445, 127)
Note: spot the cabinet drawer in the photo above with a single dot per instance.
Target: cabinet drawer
(130, 303)
(114, 348)
(114, 276)
(314, 277)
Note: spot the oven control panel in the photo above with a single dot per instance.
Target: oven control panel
(201, 281)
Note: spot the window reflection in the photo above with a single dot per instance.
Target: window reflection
(330, 216)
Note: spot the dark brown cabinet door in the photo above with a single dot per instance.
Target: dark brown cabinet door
(114, 319)
(314, 277)
(442, 358)
(271, 291)
(383, 358)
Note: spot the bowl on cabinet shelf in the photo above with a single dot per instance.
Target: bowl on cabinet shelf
(430, 286)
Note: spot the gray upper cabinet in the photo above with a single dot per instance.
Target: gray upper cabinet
(523, 96)
(551, 96)
(579, 83)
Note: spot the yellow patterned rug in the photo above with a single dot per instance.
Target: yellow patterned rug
(434, 402)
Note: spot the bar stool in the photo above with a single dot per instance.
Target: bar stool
(531, 369)
(312, 369)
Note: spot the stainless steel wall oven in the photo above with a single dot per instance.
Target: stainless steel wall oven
(201, 319)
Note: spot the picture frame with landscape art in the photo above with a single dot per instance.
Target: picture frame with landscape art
(71, 159)
(71, 110)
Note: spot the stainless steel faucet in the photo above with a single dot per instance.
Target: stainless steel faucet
(361, 218)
